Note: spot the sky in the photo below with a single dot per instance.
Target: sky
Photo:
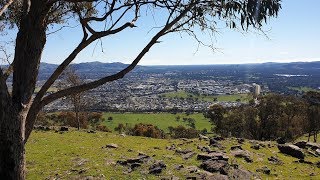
(293, 36)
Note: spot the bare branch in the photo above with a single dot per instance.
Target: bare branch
(5, 7)
(77, 89)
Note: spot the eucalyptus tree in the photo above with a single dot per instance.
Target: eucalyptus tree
(32, 18)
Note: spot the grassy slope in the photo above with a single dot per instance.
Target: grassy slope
(51, 154)
(221, 98)
(162, 120)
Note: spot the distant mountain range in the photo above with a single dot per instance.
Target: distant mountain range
(97, 69)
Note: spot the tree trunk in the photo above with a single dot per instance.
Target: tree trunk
(12, 150)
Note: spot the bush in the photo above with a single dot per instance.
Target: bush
(182, 132)
(103, 128)
(147, 130)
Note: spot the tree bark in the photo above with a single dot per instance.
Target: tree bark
(12, 151)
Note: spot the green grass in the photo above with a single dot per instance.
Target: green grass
(221, 98)
(303, 89)
(162, 120)
(53, 155)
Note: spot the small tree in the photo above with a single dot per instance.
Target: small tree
(79, 100)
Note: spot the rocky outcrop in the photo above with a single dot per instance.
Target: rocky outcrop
(291, 150)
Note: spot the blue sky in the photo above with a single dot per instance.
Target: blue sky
(293, 36)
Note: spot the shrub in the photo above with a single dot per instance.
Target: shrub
(182, 132)
(147, 130)
(103, 128)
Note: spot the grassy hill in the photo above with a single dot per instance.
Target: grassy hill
(77, 154)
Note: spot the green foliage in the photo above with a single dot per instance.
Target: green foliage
(274, 116)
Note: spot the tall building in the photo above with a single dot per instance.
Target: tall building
(256, 89)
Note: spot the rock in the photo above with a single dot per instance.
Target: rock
(239, 174)
(291, 150)
(313, 146)
(191, 169)
(264, 170)
(41, 128)
(171, 147)
(202, 137)
(243, 154)
(122, 135)
(112, 145)
(157, 167)
(281, 140)
(185, 151)
(315, 154)
(317, 164)
(188, 155)
(275, 160)
(255, 146)
(240, 140)
(218, 138)
(91, 131)
(301, 144)
(215, 156)
(219, 177)
(213, 142)
(140, 159)
(318, 152)
(303, 161)
(135, 165)
(236, 147)
(178, 167)
(204, 149)
(215, 166)
(64, 128)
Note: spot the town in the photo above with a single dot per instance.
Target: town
(156, 92)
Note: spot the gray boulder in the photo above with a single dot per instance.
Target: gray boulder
(291, 150)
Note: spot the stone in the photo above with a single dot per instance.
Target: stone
(218, 138)
(255, 147)
(236, 147)
(185, 151)
(157, 167)
(215, 166)
(281, 140)
(91, 131)
(240, 174)
(202, 137)
(171, 147)
(275, 160)
(191, 169)
(264, 170)
(317, 164)
(240, 140)
(178, 167)
(313, 146)
(243, 154)
(301, 144)
(303, 161)
(64, 128)
(291, 150)
(213, 155)
(219, 177)
(213, 142)
(112, 145)
(188, 155)
(318, 152)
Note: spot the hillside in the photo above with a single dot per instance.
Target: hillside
(73, 154)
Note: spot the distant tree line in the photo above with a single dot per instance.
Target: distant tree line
(269, 117)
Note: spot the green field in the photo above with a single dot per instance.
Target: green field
(221, 98)
(162, 120)
(76, 154)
